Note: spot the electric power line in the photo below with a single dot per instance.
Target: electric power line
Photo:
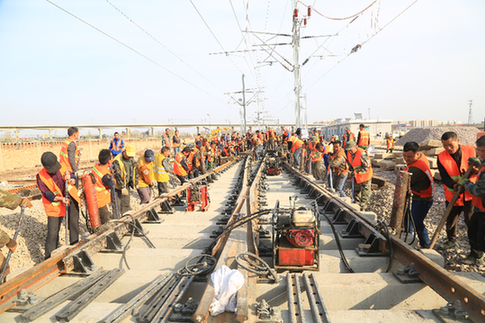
(161, 44)
(135, 51)
(213, 35)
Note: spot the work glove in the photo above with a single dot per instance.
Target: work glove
(461, 180)
(12, 245)
(125, 192)
(27, 202)
(359, 170)
(474, 161)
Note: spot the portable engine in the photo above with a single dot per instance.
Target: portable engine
(296, 236)
(273, 165)
(197, 195)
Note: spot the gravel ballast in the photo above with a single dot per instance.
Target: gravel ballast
(467, 135)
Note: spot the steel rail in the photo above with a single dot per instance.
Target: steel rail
(448, 286)
(238, 241)
(62, 262)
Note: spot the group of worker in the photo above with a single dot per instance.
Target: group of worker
(332, 161)
(453, 163)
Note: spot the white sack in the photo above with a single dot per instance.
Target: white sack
(226, 283)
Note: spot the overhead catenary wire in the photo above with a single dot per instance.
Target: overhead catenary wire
(213, 35)
(360, 45)
(135, 51)
(343, 18)
(163, 45)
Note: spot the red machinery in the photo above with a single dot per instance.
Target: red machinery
(91, 201)
(197, 196)
(295, 238)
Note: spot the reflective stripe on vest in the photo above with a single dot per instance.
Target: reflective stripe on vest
(423, 164)
(116, 146)
(356, 162)
(364, 138)
(64, 157)
(451, 168)
(159, 172)
(54, 209)
(390, 143)
(103, 196)
(297, 143)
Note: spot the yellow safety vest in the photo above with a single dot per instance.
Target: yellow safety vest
(159, 172)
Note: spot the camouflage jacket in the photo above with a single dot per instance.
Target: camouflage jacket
(9, 200)
(477, 188)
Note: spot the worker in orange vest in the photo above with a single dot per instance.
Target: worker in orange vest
(317, 161)
(295, 145)
(348, 135)
(390, 144)
(146, 178)
(452, 164)
(363, 139)
(361, 170)
(476, 230)
(176, 143)
(70, 153)
(51, 183)
(180, 167)
(338, 167)
(104, 184)
(422, 186)
(271, 138)
(211, 155)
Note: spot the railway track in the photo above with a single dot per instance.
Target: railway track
(376, 292)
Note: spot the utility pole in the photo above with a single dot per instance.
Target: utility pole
(244, 103)
(470, 113)
(296, 63)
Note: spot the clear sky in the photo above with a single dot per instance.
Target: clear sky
(55, 69)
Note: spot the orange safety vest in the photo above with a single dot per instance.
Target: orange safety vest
(177, 166)
(176, 144)
(270, 134)
(141, 180)
(55, 209)
(351, 137)
(212, 154)
(297, 143)
(64, 158)
(451, 168)
(355, 162)
(341, 152)
(423, 164)
(190, 158)
(314, 155)
(103, 196)
(478, 200)
(168, 142)
(390, 143)
(364, 138)
(116, 146)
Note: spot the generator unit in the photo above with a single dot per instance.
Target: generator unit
(197, 195)
(296, 236)
(273, 165)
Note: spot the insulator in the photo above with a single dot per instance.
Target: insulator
(309, 12)
(295, 13)
(304, 22)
